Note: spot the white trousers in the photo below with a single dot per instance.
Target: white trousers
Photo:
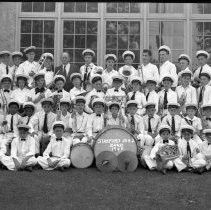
(42, 161)
(9, 163)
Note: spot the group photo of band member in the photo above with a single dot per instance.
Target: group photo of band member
(152, 117)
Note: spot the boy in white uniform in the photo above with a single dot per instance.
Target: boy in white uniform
(206, 116)
(190, 157)
(88, 70)
(76, 79)
(4, 65)
(136, 94)
(59, 148)
(78, 121)
(29, 67)
(203, 58)
(22, 151)
(5, 93)
(167, 67)
(16, 59)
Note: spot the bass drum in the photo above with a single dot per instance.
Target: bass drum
(81, 155)
(120, 142)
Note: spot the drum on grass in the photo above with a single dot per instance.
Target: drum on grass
(81, 155)
(116, 140)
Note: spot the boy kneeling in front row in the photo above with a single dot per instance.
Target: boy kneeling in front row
(22, 151)
(59, 148)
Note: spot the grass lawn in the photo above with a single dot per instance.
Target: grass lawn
(91, 189)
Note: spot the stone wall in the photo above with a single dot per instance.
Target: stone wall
(7, 25)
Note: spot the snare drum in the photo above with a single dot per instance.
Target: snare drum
(81, 155)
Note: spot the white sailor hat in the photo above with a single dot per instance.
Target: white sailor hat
(191, 105)
(59, 77)
(173, 105)
(110, 56)
(40, 74)
(65, 101)
(75, 75)
(88, 51)
(48, 55)
(132, 102)
(206, 131)
(187, 127)
(29, 49)
(17, 53)
(47, 100)
(59, 124)
(117, 77)
(13, 101)
(186, 72)
(98, 101)
(5, 52)
(164, 128)
(184, 56)
(18, 76)
(80, 99)
(128, 52)
(29, 104)
(150, 80)
(164, 47)
(6, 76)
(206, 74)
(113, 103)
(206, 106)
(95, 78)
(168, 77)
(23, 127)
(202, 52)
(149, 105)
(135, 78)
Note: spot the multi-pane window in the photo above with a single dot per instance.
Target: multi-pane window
(38, 6)
(170, 33)
(201, 38)
(88, 7)
(79, 35)
(39, 33)
(121, 36)
(123, 7)
(202, 8)
(166, 8)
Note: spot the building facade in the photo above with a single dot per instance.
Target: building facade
(106, 28)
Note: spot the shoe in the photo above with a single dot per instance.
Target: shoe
(163, 171)
(29, 169)
(61, 169)
(200, 170)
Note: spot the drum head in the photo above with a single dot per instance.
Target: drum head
(81, 155)
(127, 161)
(106, 161)
(115, 139)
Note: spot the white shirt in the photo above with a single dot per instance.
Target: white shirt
(107, 77)
(149, 71)
(60, 149)
(91, 70)
(16, 121)
(79, 124)
(112, 121)
(153, 98)
(196, 123)
(75, 91)
(21, 95)
(21, 149)
(65, 119)
(171, 96)
(49, 75)
(206, 95)
(67, 68)
(205, 68)
(63, 94)
(4, 99)
(168, 68)
(139, 123)
(3, 69)
(205, 148)
(140, 98)
(155, 123)
(189, 92)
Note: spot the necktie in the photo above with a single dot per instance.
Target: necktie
(58, 139)
(133, 96)
(64, 70)
(116, 90)
(165, 101)
(208, 118)
(7, 69)
(200, 71)
(23, 139)
(98, 115)
(45, 126)
(7, 91)
(39, 90)
(188, 148)
(191, 122)
(201, 94)
(173, 125)
(147, 96)
(132, 121)
(98, 91)
(28, 121)
(165, 141)
(11, 124)
(59, 91)
(149, 125)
